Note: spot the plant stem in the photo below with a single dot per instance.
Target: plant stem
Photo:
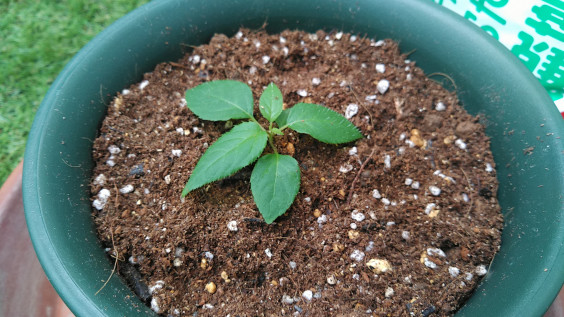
(270, 140)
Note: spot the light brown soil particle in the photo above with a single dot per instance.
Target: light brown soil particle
(404, 221)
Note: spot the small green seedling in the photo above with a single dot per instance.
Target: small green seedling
(275, 179)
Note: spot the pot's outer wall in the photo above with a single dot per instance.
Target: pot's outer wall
(524, 277)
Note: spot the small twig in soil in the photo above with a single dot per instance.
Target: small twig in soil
(276, 238)
(361, 104)
(358, 174)
(177, 65)
(336, 204)
(398, 103)
(115, 263)
(445, 76)
(467, 179)
(410, 52)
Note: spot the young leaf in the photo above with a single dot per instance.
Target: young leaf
(221, 100)
(275, 182)
(321, 123)
(270, 103)
(231, 152)
(277, 131)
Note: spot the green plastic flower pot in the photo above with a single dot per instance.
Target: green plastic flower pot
(524, 277)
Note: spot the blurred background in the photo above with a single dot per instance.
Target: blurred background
(37, 39)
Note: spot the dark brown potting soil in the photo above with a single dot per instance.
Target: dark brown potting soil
(402, 222)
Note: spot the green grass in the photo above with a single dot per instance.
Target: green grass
(37, 39)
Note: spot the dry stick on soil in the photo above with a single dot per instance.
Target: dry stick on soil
(358, 174)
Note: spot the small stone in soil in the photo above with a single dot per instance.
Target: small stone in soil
(379, 266)
(211, 288)
(428, 311)
(137, 170)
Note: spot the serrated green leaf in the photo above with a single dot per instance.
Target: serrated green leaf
(274, 183)
(320, 122)
(270, 103)
(221, 100)
(232, 151)
(283, 118)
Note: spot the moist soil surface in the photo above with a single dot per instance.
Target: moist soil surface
(404, 221)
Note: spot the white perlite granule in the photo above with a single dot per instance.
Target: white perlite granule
(453, 271)
(102, 199)
(357, 255)
(307, 295)
(376, 194)
(357, 216)
(126, 189)
(351, 111)
(440, 106)
(435, 191)
(383, 86)
(232, 225)
(381, 68)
